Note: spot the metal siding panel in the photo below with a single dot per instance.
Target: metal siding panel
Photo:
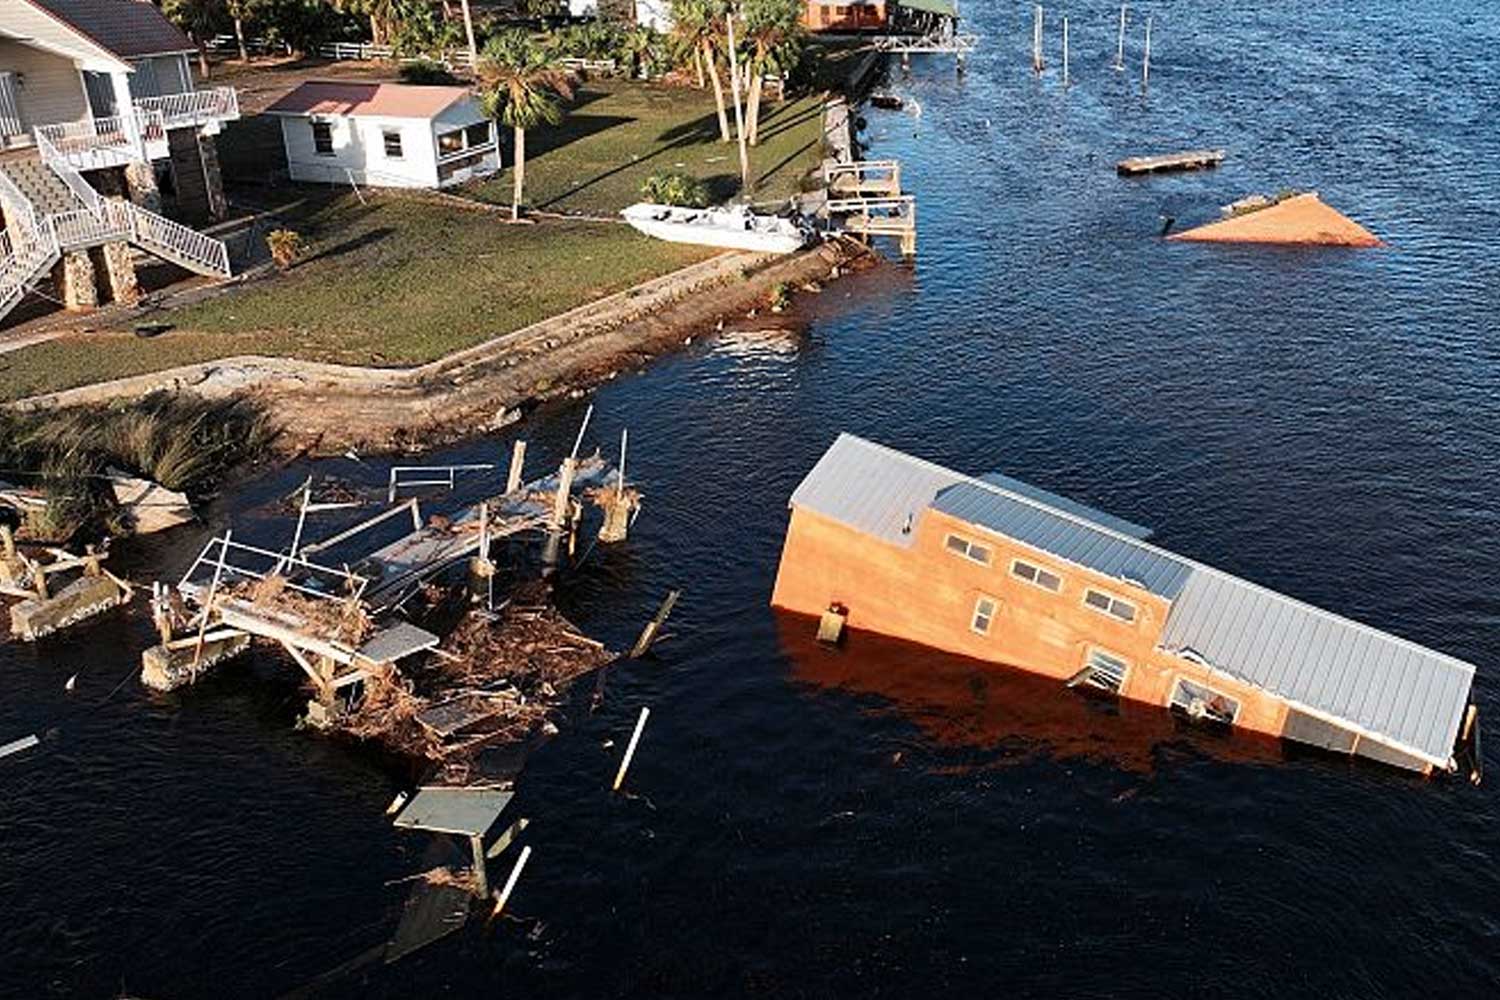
(1394, 714)
(1416, 724)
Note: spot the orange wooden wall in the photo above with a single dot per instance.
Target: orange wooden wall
(844, 17)
(926, 594)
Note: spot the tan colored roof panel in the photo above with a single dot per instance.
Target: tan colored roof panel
(374, 100)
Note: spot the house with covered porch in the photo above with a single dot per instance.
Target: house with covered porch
(103, 135)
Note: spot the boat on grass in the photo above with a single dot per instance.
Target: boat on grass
(733, 228)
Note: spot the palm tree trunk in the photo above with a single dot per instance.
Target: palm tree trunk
(519, 174)
(756, 82)
(203, 70)
(713, 73)
(698, 65)
(376, 35)
(239, 37)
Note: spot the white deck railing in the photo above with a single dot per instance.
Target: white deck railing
(100, 221)
(96, 142)
(177, 242)
(195, 107)
(30, 245)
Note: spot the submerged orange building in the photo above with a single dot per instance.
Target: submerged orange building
(998, 570)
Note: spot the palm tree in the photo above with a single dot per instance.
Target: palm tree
(774, 30)
(698, 25)
(523, 85)
(200, 19)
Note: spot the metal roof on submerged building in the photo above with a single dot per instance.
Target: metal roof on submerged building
(1385, 687)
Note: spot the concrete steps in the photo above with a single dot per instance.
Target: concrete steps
(45, 190)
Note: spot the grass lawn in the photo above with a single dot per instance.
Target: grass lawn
(617, 134)
(396, 282)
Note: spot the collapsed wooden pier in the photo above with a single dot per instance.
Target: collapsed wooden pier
(44, 607)
(337, 607)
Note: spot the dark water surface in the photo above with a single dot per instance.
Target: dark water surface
(885, 821)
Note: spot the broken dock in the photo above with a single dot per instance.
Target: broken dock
(1197, 159)
(339, 607)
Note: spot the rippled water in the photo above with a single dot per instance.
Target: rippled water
(883, 820)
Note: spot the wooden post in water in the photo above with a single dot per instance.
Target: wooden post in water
(517, 460)
(1036, 39)
(1120, 51)
(559, 512)
(510, 883)
(1146, 59)
(635, 738)
(481, 874)
(1065, 52)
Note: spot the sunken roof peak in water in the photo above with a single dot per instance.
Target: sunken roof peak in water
(1390, 689)
(1303, 218)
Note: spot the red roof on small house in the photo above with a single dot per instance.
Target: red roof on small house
(383, 100)
(128, 28)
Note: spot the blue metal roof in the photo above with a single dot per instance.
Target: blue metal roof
(1062, 503)
(1065, 535)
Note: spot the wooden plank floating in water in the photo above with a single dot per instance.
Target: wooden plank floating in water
(1197, 159)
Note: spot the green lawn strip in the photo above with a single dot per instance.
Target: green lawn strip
(393, 283)
(618, 134)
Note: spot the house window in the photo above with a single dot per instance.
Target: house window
(1108, 605)
(477, 135)
(450, 143)
(1201, 703)
(984, 615)
(1036, 576)
(322, 138)
(1103, 671)
(969, 550)
(392, 140)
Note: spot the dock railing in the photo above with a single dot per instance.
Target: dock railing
(437, 475)
(221, 554)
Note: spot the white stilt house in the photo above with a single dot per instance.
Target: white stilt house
(97, 104)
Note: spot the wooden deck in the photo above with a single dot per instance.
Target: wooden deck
(1197, 159)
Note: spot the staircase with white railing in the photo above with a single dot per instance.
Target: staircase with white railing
(100, 220)
(28, 247)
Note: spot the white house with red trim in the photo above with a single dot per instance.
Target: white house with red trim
(385, 135)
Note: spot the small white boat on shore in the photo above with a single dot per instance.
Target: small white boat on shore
(733, 228)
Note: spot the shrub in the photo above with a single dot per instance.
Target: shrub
(675, 189)
(286, 246)
(427, 73)
(781, 296)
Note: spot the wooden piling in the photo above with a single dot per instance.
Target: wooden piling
(481, 873)
(635, 738)
(1120, 51)
(1146, 58)
(1036, 39)
(1065, 52)
(510, 883)
(648, 634)
(517, 461)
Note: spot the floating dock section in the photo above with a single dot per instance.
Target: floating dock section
(1197, 159)
(998, 570)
